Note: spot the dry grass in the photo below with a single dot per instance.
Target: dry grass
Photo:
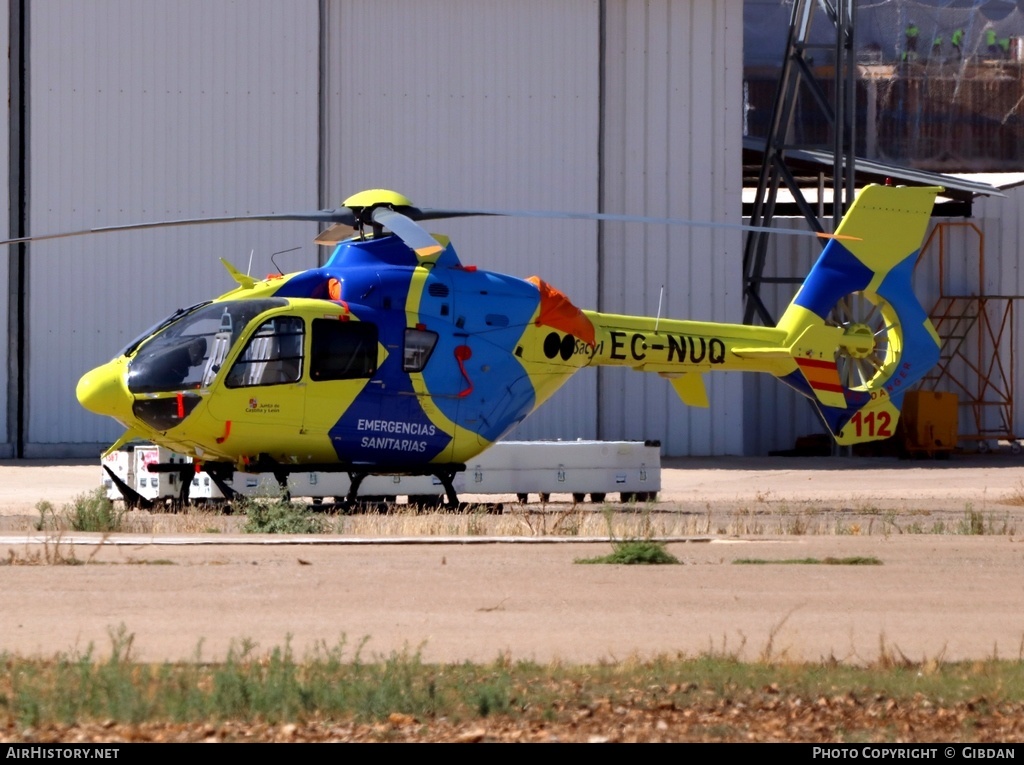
(1015, 497)
(625, 522)
(54, 551)
(663, 520)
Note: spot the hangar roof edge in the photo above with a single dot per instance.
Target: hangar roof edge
(804, 161)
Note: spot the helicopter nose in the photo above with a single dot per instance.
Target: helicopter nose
(103, 391)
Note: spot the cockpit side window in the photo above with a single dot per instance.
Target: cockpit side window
(272, 356)
(343, 350)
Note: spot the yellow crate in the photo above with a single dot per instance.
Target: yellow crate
(930, 421)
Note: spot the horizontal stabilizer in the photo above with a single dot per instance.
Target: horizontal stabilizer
(815, 356)
(814, 352)
(823, 377)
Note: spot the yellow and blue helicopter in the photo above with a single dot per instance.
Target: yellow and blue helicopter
(395, 358)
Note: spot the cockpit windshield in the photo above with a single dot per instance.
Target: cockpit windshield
(190, 351)
(129, 349)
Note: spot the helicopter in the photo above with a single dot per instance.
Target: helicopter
(394, 358)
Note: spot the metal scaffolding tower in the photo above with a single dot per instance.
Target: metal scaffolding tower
(797, 80)
(976, 359)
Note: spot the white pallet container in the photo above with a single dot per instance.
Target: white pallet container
(203, 488)
(155, 486)
(131, 465)
(631, 468)
(323, 485)
(578, 468)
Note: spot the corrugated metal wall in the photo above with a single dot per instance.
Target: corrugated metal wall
(6, 449)
(457, 103)
(147, 110)
(672, 147)
(1002, 222)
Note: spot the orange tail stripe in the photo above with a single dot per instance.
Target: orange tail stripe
(822, 375)
(821, 363)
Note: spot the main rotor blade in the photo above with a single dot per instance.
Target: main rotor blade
(436, 214)
(404, 225)
(338, 215)
(409, 231)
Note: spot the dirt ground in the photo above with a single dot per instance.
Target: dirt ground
(952, 595)
(950, 586)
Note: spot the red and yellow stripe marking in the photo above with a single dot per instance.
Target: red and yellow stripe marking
(823, 377)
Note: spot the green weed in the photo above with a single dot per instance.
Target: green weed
(279, 516)
(972, 524)
(635, 552)
(976, 523)
(850, 561)
(93, 511)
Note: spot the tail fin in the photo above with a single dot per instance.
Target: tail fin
(859, 336)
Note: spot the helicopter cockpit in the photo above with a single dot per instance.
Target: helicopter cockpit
(189, 353)
(256, 342)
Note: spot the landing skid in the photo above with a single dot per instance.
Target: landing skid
(356, 474)
(132, 498)
(446, 476)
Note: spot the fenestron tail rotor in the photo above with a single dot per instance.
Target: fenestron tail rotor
(865, 315)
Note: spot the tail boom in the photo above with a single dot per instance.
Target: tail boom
(853, 340)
